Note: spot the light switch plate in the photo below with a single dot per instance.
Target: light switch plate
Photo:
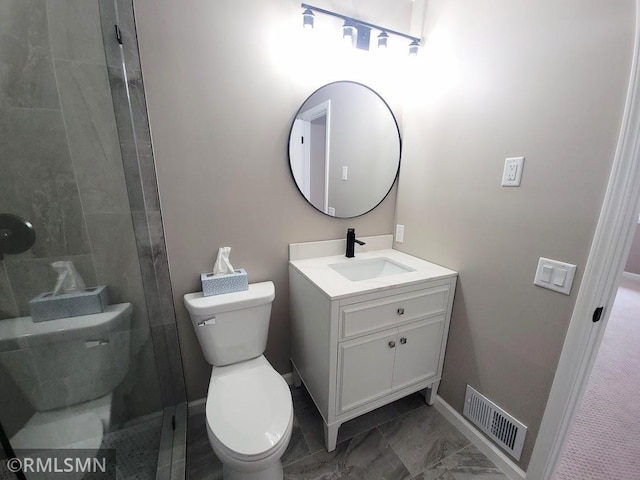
(555, 275)
(399, 233)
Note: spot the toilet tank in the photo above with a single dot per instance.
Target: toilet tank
(232, 327)
(64, 362)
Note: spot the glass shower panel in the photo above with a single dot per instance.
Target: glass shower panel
(77, 361)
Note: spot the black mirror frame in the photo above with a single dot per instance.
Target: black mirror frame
(395, 121)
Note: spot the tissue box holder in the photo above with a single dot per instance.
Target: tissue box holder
(226, 283)
(48, 306)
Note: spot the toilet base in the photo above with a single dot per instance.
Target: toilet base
(79, 426)
(272, 472)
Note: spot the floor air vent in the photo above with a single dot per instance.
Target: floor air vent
(505, 430)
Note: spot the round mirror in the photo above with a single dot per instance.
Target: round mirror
(344, 149)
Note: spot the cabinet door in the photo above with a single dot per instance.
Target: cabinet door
(365, 368)
(418, 352)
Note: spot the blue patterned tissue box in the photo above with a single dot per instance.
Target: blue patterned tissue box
(47, 306)
(227, 283)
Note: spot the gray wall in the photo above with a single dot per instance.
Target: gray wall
(633, 262)
(62, 170)
(546, 80)
(220, 106)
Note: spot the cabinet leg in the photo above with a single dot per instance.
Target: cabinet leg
(330, 436)
(431, 393)
(297, 381)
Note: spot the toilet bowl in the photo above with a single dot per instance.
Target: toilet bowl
(249, 418)
(67, 369)
(249, 412)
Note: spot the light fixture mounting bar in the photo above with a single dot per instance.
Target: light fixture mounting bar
(360, 22)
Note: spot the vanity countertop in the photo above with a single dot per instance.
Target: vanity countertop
(335, 286)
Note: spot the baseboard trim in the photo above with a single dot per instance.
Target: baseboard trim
(631, 276)
(196, 407)
(493, 453)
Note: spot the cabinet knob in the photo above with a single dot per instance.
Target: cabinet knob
(401, 311)
(392, 344)
(403, 340)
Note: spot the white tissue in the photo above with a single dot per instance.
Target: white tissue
(69, 280)
(223, 265)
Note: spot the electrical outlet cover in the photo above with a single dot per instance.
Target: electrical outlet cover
(512, 172)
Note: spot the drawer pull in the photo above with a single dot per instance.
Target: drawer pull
(392, 344)
(401, 311)
(403, 340)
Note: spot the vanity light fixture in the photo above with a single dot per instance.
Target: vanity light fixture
(383, 39)
(413, 48)
(307, 18)
(348, 32)
(359, 30)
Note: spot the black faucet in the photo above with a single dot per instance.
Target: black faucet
(351, 242)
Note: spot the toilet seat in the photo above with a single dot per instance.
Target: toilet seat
(249, 409)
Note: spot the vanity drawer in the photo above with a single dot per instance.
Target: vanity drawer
(368, 317)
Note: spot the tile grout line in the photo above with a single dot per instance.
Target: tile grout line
(430, 465)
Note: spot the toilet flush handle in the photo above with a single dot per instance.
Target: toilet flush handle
(209, 321)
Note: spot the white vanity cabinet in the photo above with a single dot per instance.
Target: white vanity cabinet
(375, 344)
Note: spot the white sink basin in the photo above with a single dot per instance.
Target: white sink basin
(357, 270)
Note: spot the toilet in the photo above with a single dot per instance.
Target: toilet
(67, 369)
(249, 411)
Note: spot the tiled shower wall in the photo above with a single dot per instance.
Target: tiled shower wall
(61, 158)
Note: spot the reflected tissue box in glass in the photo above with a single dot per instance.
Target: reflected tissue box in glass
(226, 283)
(48, 306)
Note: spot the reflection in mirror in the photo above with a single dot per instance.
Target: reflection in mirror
(344, 149)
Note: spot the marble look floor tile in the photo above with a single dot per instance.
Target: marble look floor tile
(202, 463)
(209, 470)
(366, 456)
(297, 448)
(198, 446)
(415, 439)
(301, 398)
(422, 438)
(366, 422)
(310, 422)
(466, 464)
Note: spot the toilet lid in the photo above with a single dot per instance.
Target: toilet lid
(249, 410)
